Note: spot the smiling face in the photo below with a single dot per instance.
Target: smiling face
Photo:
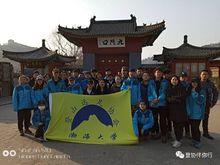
(35, 75)
(142, 106)
(139, 72)
(132, 74)
(204, 76)
(99, 76)
(64, 75)
(102, 83)
(71, 81)
(158, 74)
(145, 76)
(124, 72)
(40, 82)
(56, 73)
(174, 81)
(90, 85)
(117, 79)
(22, 80)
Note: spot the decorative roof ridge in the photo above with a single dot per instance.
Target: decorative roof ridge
(13, 52)
(155, 24)
(132, 20)
(113, 21)
(61, 55)
(204, 48)
(192, 46)
(67, 28)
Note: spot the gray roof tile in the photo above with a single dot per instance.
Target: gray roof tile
(40, 54)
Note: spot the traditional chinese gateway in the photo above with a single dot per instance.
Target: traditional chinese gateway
(112, 43)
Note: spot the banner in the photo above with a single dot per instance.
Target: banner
(94, 119)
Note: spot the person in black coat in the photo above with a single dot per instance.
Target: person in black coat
(144, 87)
(102, 88)
(90, 88)
(176, 95)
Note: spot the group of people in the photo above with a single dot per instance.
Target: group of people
(172, 100)
(157, 102)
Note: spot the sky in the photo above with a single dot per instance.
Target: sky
(29, 21)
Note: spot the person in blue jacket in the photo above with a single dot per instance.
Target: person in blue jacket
(39, 94)
(133, 84)
(55, 84)
(142, 120)
(22, 104)
(85, 80)
(157, 89)
(75, 75)
(73, 86)
(195, 105)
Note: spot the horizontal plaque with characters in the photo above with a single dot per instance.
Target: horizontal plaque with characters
(108, 42)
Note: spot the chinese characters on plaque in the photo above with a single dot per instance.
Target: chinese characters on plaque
(108, 42)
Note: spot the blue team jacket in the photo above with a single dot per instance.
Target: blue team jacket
(152, 94)
(21, 97)
(145, 119)
(134, 85)
(75, 88)
(39, 95)
(54, 87)
(195, 105)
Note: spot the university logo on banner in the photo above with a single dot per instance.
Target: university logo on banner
(96, 119)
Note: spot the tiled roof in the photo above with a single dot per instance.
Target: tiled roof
(188, 51)
(112, 27)
(40, 54)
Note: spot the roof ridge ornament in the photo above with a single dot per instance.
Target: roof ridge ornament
(92, 20)
(185, 40)
(133, 19)
(43, 43)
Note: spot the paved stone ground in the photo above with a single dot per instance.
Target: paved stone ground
(149, 152)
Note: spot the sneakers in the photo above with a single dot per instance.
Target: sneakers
(208, 136)
(196, 144)
(40, 138)
(27, 131)
(176, 144)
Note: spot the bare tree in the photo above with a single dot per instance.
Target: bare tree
(57, 42)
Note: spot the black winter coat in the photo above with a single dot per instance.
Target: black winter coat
(176, 98)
